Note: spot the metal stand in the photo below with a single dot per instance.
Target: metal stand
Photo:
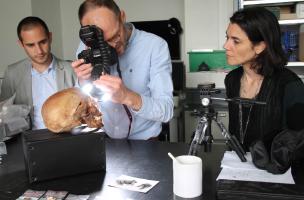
(203, 130)
(207, 115)
(203, 135)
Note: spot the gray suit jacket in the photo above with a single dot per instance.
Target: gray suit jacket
(18, 80)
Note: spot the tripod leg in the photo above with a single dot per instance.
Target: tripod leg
(238, 144)
(207, 137)
(232, 141)
(199, 134)
(234, 147)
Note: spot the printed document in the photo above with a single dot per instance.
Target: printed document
(234, 169)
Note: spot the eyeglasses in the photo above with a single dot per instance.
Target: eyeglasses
(116, 37)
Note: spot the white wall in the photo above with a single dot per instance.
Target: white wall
(10, 15)
(50, 12)
(205, 23)
(70, 27)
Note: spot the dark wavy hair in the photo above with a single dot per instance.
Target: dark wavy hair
(92, 4)
(261, 25)
(30, 22)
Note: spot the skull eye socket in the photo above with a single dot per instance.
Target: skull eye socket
(80, 111)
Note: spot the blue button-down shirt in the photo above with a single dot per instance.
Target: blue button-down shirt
(146, 69)
(43, 85)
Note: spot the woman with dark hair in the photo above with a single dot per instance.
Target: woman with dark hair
(254, 43)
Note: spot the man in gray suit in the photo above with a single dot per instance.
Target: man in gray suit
(40, 75)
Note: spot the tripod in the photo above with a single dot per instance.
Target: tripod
(203, 130)
(203, 134)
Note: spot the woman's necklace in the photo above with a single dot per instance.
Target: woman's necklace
(244, 131)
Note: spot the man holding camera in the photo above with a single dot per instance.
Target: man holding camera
(141, 98)
(34, 79)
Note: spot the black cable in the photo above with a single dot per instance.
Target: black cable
(125, 106)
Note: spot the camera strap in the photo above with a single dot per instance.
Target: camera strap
(125, 107)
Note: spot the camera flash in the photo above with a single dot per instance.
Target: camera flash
(87, 88)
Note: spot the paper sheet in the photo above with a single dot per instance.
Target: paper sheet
(231, 160)
(234, 169)
(133, 183)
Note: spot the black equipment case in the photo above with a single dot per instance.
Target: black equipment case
(49, 155)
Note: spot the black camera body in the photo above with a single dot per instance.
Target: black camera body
(100, 54)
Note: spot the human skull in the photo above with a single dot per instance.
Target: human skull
(69, 108)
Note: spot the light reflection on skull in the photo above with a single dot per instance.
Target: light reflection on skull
(69, 108)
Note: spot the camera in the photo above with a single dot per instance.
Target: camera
(100, 54)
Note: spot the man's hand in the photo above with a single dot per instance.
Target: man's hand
(118, 92)
(82, 70)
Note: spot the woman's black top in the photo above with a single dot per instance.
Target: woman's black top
(283, 93)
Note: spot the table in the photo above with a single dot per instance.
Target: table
(142, 159)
